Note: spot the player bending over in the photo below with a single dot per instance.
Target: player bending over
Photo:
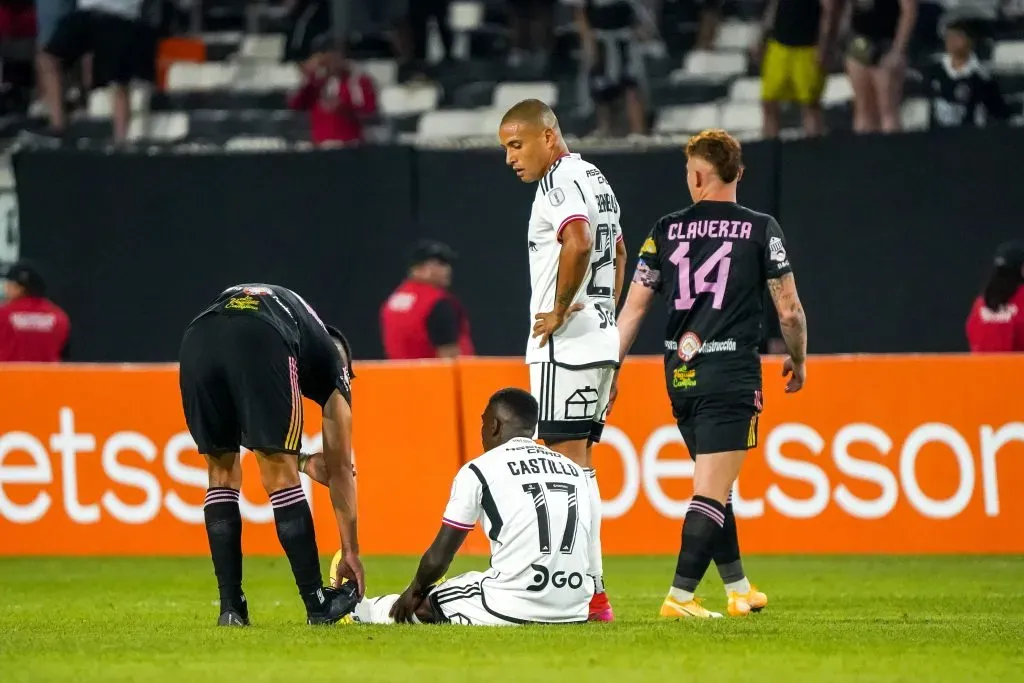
(710, 263)
(246, 362)
(527, 498)
(577, 261)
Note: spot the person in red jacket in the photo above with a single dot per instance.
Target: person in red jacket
(996, 321)
(422, 319)
(337, 96)
(32, 328)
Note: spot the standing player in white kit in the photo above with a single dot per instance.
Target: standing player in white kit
(577, 261)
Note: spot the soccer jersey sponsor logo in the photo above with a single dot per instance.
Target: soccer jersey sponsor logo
(689, 346)
(243, 303)
(257, 291)
(684, 378)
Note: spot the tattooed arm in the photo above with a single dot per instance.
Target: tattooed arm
(794, 328)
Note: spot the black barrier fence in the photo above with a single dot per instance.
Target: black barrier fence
(890, 237)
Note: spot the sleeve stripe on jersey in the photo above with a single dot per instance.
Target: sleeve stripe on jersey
(582, 196)
(567, 221)
(457, 525)
(548, 182)
(487, 501)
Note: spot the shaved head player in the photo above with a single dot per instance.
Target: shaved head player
(711, 262)
(577, 258)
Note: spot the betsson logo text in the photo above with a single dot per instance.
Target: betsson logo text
(646, 471)
(69, 444)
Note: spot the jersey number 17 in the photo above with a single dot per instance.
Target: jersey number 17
(716, 265)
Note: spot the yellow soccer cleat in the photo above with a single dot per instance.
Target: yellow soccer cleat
(742, 604)
(673, 609)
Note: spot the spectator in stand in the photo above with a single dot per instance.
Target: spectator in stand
(996, 321)
(876, 61)
(795, 41)
(338, 97)
(533, 33)
(110, 30)
(962, 94)
(707, 25)
(420, 14)
(33, 329)
(422, 319)
(17, 35)
(611, 32)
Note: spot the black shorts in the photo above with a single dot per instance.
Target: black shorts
(867, 51)
(717, 423)
(112, 40)
(240, 386)
(619, 66)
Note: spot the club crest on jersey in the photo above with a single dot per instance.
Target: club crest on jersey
(776, 250)
(556, 197)
(689, 346)
(257, 291)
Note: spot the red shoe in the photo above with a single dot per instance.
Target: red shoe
(600, 608)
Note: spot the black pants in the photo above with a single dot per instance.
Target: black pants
(420, 14)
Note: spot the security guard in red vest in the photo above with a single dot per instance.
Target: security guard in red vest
(422, 319)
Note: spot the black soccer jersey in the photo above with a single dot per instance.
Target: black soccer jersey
(710, 263)
(318, 364)
(965, 97)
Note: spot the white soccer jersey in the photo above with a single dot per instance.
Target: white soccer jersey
(575, 189)
(534, 506)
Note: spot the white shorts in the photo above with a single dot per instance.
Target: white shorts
(573, 403)
(460, 600)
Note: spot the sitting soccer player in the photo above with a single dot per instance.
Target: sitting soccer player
(527, 498)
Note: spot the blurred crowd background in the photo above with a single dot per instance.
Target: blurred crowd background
(271, 73)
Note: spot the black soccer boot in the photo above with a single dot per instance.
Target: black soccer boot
(329, 605)
(236, 614)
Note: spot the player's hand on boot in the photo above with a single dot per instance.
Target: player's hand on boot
(406, 605)
(546, 324)
(797, 373)
(351, 568)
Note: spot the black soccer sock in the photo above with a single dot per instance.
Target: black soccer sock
(295, 531)
(726, 551)
(701, 529)
(224, 531)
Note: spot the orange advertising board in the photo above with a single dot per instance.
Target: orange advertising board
(913, 454)
(97, 460)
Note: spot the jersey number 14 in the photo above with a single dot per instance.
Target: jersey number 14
(717, 265)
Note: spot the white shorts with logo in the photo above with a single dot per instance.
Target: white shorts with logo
(460, 600)
(573, 403)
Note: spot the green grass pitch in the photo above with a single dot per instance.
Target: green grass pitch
(829, 619)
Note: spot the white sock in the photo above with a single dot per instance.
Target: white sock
(742, 587)
(679, 595)
(596, 561)
(376, 610)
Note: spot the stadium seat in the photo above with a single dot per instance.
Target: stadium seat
(263, 48)
(465, 16)
(507, 94)
(192, 76)
(159, 127)
(742, 117)
(838, 90)
(382, 71)
(267, 77)
(254, 143)
(403, 100)
(449, 123)
(490, 121)
(711, 65)
(101, 104)
(1008, 55)
(687, 118)
(746, 89)
(736, 35)
(914, 114)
